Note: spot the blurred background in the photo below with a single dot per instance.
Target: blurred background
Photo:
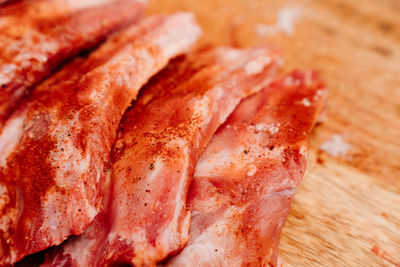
(347, 210)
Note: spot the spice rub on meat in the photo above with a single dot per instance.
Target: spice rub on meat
(160, 140)
(246, 178)
(54, 147)
(37, 36)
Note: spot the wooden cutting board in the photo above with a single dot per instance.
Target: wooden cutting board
(347, 210)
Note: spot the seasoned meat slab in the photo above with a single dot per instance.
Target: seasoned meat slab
(246, 178)
(54, 147)
(160, 140)
(36, 36)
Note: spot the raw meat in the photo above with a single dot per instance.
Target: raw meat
(244, 181)
(159, 143)
(36, 36)
(54, 147)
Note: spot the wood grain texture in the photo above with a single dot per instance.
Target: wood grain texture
(347, 210)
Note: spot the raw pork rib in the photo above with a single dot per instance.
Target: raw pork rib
(244, 181)
(154, 157)
(54, 146)
(36, 36)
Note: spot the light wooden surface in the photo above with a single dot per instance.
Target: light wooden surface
(347, 210)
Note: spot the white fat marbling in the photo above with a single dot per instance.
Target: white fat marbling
(256, 66)
(10, 136)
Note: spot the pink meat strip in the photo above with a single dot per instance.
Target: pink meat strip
(54, 147)
(160, 140)
(36, 36)
(246, 178)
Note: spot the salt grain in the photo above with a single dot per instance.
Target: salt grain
(285, 23)
(252, 170)
(336, 146)
(306, 102)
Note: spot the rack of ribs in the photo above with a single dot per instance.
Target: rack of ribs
(244, 181)
(54, 147)
(153, 159)
(37, 36)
